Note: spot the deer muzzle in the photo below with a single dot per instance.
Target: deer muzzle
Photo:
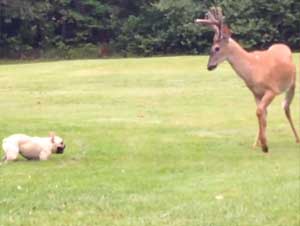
(211, 67)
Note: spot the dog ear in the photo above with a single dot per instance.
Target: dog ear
(52, 135)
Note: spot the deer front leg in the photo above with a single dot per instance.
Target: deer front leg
(261, 113)
(256, 141)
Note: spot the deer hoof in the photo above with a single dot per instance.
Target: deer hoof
(265, 149)
(255, 145)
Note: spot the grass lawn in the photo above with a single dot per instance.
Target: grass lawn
(150, 142)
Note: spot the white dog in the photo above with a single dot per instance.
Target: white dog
(32, 148)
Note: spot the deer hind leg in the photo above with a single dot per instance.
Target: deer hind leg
(286, 106)
(261, 113)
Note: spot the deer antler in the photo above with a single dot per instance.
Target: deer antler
(215, 19)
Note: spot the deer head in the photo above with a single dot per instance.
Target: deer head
(219, 51)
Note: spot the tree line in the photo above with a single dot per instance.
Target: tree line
(99, 28)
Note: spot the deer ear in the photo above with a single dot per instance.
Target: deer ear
(226, 32)
(52, 136)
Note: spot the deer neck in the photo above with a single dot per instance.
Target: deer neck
(240, 60)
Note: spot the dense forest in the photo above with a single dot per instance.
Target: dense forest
(100, 28)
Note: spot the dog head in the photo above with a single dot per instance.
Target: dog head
(58, 145)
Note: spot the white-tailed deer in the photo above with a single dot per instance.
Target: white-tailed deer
(266, 73)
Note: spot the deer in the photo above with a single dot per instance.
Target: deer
(267, 73)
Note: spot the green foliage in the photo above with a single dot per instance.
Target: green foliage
(136, 27)
(264, 21)
(66, 52)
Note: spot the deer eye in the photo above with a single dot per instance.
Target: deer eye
(217, 49)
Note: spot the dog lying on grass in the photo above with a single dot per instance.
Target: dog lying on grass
(32, 148)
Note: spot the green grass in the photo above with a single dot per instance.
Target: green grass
(156, 141)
